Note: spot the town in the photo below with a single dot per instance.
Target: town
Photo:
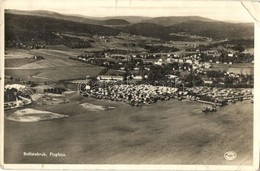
(145, 78)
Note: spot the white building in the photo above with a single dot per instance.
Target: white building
(159, 62)
(207, 81)
(110, 78)
(189, 61)
(169, 60)
(207, 65)
(230, 54)
(137, 77)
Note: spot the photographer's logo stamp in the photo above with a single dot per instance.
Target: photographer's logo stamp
(230, 155)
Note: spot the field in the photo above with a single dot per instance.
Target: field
(17, 62)
(53, 68)
(54, 74)
(16, 53)
(236, 68)
(163, 133)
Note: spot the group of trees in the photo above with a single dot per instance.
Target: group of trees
(75, 42)
(160, 49)
(215, 74)
(192, 80)
(118, 51)
(235, 44)
(12, 94)
(51, 39)
(54, 90)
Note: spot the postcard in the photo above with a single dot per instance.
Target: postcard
(130, 85)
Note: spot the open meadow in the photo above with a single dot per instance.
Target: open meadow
(54, 67)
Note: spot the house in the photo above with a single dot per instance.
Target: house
(176, 59)
(137, 77)
(207, 81)
(175, 55)
(136, 69)
(195, 67)
(196, 62)
(169, 60)
(230, 54)
(110, 78)
(107, 55)
(207, 65)
(189, 61)
(159, 62)
(180, 61)
(213, 53)
(170, 76)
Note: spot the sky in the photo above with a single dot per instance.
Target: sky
(218, 10)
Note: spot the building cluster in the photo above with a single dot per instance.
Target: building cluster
(133, 94)
(219, 95)
(172, 64)
(136, 95)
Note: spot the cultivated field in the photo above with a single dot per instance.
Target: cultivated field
(17, 62)
(56, 65)
(54, 74)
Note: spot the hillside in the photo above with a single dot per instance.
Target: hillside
(24, 28)
(151, 30)
(130, 19)
(35, 23)
(44, 27)
(54, 15)
(113, 22)
(74, 18)
(215, 30)
(168, 21)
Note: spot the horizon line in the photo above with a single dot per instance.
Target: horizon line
(114, 16)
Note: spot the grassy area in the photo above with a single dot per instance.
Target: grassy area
(55, 67)
(64, 73)
(16, 53)
(18, 62)
(22, 74)
(54, 74)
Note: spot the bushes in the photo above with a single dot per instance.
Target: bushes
(54, 90)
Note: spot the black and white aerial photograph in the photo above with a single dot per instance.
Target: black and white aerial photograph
(123, 82)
